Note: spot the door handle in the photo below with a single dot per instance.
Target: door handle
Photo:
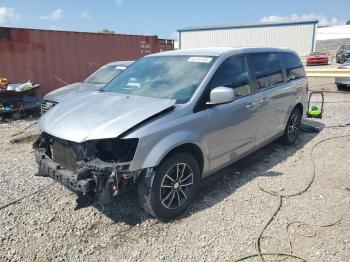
(264, 100)
(249, 105)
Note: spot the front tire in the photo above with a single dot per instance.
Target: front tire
(168, 191)
(292, 130)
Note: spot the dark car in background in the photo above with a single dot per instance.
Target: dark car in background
(94, 82)
(317, 58)
(343, 53)
(343, 82)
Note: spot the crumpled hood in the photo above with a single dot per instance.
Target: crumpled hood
(99, 115)
(61, 93)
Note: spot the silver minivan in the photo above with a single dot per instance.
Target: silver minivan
(170, 120)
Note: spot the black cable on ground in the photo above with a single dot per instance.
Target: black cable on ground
(333, 102)
(22, 198)
(300, 223)
(330, 91)
(336, 126)
(316, 129)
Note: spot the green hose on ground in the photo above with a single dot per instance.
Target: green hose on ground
(280, 255)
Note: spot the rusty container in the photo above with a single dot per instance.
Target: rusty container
(42, 56)
(165, 45)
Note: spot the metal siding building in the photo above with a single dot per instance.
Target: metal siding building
(298, 36)
(43, 55)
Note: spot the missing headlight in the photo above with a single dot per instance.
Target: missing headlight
(121, 150)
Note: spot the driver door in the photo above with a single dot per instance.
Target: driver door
(232, 125)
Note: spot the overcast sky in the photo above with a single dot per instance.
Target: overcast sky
(161, 17)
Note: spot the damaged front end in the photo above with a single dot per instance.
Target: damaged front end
(96, 170)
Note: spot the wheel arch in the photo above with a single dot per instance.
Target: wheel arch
(300, 107)
(181, 141)
(191, 148)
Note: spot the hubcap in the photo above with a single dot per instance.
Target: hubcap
(293, 126)
(176, 185)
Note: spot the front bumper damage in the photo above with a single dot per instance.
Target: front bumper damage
(74, 181)
(93, 180)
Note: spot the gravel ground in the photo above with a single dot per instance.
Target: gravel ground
(223, 223)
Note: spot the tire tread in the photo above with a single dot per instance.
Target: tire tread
(285, 139)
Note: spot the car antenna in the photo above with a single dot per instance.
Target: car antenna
(59, 79)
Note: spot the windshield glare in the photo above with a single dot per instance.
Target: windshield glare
(105, 74)
(174, 77)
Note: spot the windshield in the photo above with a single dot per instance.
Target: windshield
(318, 53)
(105, 74)
(345, 47)
(175, 77)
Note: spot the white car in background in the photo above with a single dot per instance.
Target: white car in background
(343, 82)
(94, 82)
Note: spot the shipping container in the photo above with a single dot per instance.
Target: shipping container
(44, 56)
(165, 45)
(296, 35)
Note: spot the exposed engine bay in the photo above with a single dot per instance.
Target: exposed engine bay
(96, 170)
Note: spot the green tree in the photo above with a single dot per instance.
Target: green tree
(107, 31)
(348, 22)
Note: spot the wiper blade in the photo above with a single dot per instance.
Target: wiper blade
(96, 83)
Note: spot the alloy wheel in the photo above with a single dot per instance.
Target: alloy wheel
(294, 126)
(176, 186)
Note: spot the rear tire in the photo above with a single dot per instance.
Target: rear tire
(340, 87)
(167, 192)
(292, 130)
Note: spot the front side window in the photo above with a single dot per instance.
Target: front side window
(267, 69)
(233, 73)
(174, 77)
(294, 67)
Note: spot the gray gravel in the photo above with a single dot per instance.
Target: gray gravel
(222, 224)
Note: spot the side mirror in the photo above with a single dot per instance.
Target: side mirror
(221, 95)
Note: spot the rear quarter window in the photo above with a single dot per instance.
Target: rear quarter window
(267, 69)
(293, 65)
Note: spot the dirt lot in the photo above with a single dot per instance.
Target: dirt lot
(223, 223)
